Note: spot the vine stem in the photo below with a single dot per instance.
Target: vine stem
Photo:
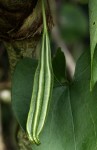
(44, 17)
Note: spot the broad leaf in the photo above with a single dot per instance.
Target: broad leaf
(72, 120)
(59, 66)
(93, 40)
(22, 86)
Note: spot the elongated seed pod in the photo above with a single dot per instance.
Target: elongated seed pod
(48, 85)
(42, 90)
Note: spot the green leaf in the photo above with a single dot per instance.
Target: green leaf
(22, 85)
(72, 119)
(94, 69)
(93, 40)
(59, 66)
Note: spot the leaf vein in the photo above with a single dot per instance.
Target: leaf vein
(93, 122)
(73, 126)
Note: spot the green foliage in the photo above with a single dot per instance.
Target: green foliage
(71, 123)
(73, 23)
(59, 66)
(82, 1)
(93, 40)
(22, 89)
